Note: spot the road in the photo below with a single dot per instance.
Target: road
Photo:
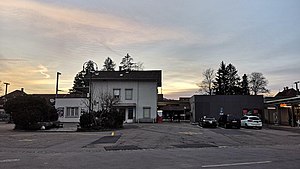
(168, 145)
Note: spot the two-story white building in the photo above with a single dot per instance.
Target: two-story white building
(137, 92)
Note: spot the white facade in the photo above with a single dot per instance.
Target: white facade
(140, 107)
(70, 109)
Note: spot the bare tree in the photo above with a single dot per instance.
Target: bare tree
(206, 86)
(139, 66)
(258, 83)
(107, 101)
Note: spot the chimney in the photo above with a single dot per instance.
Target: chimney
(22, 89)
(297, 89)
(120, 68)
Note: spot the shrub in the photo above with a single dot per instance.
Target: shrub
(111, 119)
(27, 111)
(85, 120)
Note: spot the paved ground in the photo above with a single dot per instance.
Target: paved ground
(167, 145)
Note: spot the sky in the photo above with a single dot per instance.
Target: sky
(180, 37)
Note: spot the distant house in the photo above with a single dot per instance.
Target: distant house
(174, 110)
(284, 108)
(136, 91)
(214, 106)
(286, 93)
(9, 96)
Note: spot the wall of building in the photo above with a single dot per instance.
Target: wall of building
(62, 104)
(144, 95)
(212, 106)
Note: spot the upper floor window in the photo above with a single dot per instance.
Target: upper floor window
(128, 94)
(117, 93)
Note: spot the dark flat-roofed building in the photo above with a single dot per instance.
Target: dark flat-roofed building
(213, 106)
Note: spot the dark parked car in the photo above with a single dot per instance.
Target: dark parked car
(229, 121)
(208, 122)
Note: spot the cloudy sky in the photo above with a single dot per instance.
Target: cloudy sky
(181, 37)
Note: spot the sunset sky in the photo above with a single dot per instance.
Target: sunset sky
(180, 37)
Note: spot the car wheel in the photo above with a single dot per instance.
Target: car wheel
(246, 126)
(259, 128)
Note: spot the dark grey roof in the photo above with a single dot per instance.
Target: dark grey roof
(153, 75)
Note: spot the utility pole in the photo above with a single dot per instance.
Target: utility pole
(6, 86)
(296, 83)
(57, 77)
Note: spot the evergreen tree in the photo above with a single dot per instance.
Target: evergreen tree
(245, 85)
(221, 81)
(127, 63)
(227, 80)
(233, 80)
(81, 84)
(109, 65)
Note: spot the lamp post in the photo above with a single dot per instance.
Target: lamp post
(57, 78)
(88, 68)
(6, 86)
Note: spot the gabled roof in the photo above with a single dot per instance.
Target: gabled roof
(286, 93)
(153, 75)
(13, 94)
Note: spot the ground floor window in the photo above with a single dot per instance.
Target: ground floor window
(72, 112)
(146, 112)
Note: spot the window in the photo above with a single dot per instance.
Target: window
(146, 112)
(72, 112)
(117, 93)
(244, 118)
(128, 94)
(130, 113)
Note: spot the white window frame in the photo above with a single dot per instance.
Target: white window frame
(128, 96)
(145, 113)
(117, 95)
(72, 112)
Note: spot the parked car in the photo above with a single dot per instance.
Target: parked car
(251, 121)
(229, 121)
(208, 122)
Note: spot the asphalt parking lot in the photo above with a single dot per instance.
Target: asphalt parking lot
(181, 143)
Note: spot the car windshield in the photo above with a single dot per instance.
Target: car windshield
(254, 118)
(231, 117)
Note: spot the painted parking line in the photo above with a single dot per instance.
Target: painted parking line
(235, 164)
(9, 160)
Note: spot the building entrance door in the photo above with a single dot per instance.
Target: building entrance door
(129, 115)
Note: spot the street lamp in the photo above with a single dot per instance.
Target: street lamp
(57, 77)
(6, 85)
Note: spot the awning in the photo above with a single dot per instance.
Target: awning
(126, 105)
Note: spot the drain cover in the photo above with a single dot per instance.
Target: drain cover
(107, 139)
(118, 148)
(194, 145)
